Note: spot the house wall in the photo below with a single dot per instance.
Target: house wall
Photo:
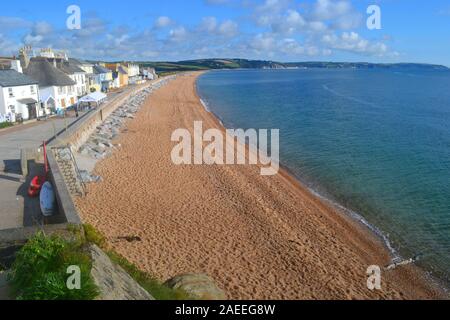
(133, 70)
(116, 83)
(109, 76)
(80, 79)
(88, 68)
(64, 96)
(123, 78)
(2, 102)
(19, 92)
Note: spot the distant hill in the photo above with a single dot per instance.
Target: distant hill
(211, 64)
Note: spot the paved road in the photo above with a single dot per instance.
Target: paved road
(28, 136)
(16, 208)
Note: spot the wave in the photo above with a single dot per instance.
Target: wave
(205, 105)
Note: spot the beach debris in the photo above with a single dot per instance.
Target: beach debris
(402, 263)
(130, 239)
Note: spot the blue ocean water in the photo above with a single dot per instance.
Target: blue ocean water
(374, 141)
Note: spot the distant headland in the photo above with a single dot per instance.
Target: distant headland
(211, 64)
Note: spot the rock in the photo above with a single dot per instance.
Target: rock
(198, 286)
(99, 145)
(86, 177)
(113, 282)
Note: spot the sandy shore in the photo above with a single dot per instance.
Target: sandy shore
(258, 237)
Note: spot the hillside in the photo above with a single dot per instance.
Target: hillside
(209, 64)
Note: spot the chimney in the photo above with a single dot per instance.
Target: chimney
(24, 58)
(15, 65)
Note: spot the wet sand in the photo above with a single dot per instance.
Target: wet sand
(258, 237)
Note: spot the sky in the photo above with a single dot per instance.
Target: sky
(279, 30)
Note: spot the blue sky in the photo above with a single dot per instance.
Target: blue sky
(282, 30)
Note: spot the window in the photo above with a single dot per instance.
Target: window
(60, 90)
(32, 90)
(11, 92)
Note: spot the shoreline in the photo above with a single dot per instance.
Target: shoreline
(355, 243)
(357, 217)
(354, 216)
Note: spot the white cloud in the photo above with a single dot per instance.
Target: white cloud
(208, 24)
(7, 46)
(353, 42)
(163, 22)
(263, 42)
(328, 9)
(42, 28)
(178, 34)
(228, 29)
(279, 29)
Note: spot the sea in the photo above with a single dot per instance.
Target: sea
(375, 142)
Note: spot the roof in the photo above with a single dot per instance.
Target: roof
(5, 63)
(69, 68)
(78, 62)
(46, 74)
(12, 78)
(93, 97)
(99, 69)
(27, 101)
(122, 70)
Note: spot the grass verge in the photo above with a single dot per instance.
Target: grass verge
(158, 290)
(4, 125)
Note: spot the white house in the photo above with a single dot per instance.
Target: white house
(57, 89)
(75, 73)
(149, 73)
(90, 76)
(19, 95)
(133, 72)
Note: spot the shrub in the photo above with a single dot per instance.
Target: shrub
(40, 270)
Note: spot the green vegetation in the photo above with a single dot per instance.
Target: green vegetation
(40, 270)
(164, 68)
(4, 125)
(149, 283)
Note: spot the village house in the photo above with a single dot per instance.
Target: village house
(104, 76)
(92, 80)
(134, 74)
(74, 73)
(120, 74)
(57, 89)
(19, 94)
(62, 62)
(148, 73)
